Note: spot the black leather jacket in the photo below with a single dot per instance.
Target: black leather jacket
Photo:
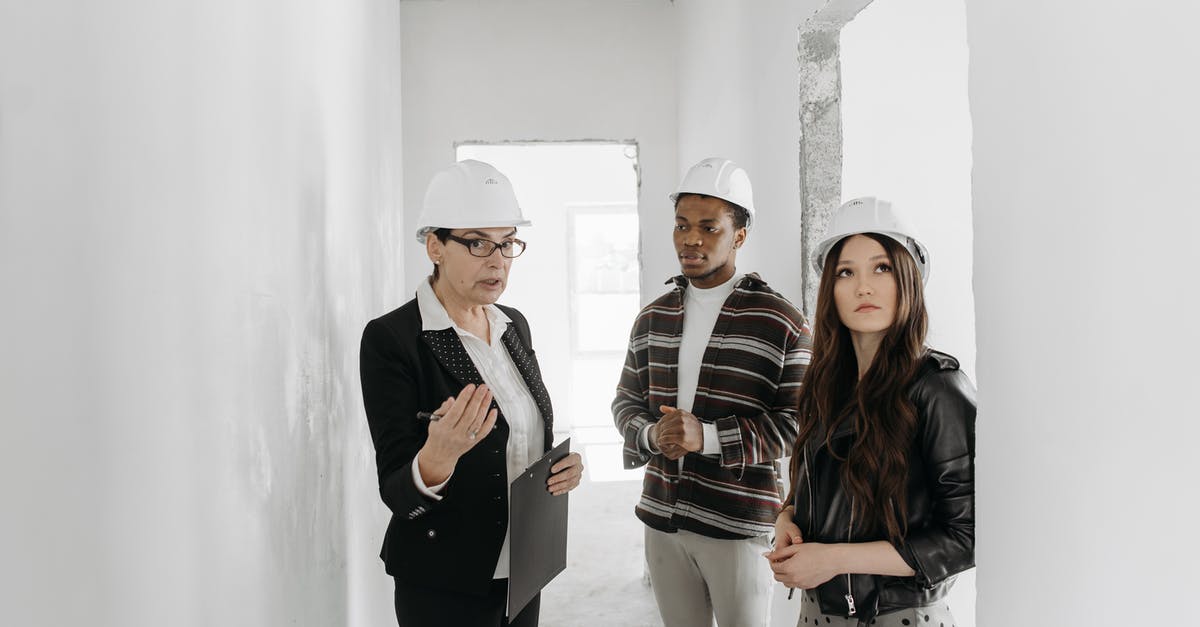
(940, 542)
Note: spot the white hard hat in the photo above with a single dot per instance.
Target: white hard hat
(719, 178)
(469, 195)
(871, 215)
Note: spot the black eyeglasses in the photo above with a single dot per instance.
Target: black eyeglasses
(479, 247)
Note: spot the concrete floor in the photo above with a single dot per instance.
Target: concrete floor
(603, 584)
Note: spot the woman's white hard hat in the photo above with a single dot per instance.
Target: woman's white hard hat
(719, 178)
(469, 195)
(872, 215)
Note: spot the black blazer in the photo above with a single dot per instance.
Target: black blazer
(452, 543)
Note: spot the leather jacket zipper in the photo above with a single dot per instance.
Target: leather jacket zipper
(849, 529)
(849, 586)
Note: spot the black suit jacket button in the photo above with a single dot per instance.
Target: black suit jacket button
(431, 533)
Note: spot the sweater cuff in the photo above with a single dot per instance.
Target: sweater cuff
(644, 440)
(712, 439)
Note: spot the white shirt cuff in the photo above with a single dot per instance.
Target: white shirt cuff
(712, 441)
(427, 491)
(644, 440)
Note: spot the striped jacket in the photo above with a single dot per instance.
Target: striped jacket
(749, 385)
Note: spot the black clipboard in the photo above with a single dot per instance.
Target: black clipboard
(537, 528)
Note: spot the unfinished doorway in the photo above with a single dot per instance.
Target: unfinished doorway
(578, 281)
(578, 285)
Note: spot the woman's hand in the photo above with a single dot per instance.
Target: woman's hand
(463, 421)
(565, 474)
(805, 565)
(787, 532)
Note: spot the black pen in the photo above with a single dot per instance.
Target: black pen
(428, 415)
(790, 591)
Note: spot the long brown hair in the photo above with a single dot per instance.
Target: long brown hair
(875, 470)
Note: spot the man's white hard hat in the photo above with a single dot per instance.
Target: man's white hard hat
(872, 215)
(469, 195)
(720, 178)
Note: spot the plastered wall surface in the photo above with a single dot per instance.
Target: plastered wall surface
(196, 213)
(200, 206)
(907, 138)
(1085, 227)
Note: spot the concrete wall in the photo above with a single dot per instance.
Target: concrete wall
(197, 214)
(1086, 148)
(542, 70)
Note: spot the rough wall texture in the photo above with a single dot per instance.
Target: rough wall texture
(820, 127)
(820, 144)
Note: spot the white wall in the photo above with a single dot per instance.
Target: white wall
(739, 99)
(1086, 149)
(542, 70)
(196, 217)
(198, 212)
(907, 138)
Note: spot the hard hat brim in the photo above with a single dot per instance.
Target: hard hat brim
(906, 242)
(475, 224)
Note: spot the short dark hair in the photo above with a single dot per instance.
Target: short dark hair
(737, 213)
(442, 235)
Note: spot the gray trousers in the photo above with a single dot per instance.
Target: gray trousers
(695, 577)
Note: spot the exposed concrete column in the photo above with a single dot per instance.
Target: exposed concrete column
(820, 145)
(820, 128)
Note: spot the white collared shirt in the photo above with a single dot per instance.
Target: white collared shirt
(496, 367)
